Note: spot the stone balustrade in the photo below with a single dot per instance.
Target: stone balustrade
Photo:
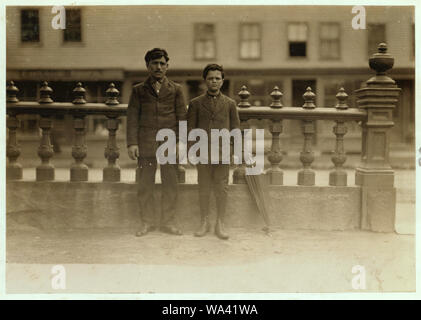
(376, 100)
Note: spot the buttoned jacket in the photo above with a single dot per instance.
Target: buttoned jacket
(148, 112)
(207, 112)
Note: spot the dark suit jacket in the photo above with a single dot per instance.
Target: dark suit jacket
(148, 112)
(205, 114)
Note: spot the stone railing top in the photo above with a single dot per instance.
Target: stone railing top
(29, 107)
(79, 107)
(260, 112)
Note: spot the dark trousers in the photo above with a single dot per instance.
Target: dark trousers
(146, 192)
(213, 177)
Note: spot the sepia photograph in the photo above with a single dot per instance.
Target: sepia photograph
(210, 149)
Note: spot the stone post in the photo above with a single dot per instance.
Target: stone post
(111, 173)
(13, 168)
(45, 171)
(374, 174)
(239, 174)
(79, 170)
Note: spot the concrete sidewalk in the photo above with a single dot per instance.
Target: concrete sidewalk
(115, 261)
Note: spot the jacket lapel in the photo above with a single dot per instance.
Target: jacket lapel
(164, 87)
(148, 84)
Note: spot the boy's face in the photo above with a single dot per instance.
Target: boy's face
(157, 68)
(214, 81)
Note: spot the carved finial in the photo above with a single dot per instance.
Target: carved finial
(244, 96)
(45, 93)
(382, 47)
(381, 61)
(276, 96)
(309, 98)
(79, 93)
(342, 97)
(11, 92)
(112, 94)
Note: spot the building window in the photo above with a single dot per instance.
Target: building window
(29, 25)
(250, 41)
(73, 31)
(330, 40)
(204, 41)
(376, 35)
(297, 39)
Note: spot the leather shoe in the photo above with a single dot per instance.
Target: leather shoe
(219, 230)
(171, 230)
(204, 228)
(144, 229)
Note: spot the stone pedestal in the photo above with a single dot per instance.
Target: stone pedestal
(374, 174)
(111, 173)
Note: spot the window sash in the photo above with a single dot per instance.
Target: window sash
(250, 41)
(30, 25)
(204, 41)
(73, 31)
(297, 32)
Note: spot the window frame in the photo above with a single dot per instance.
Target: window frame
(338, 24)
(30, 43)
(240, 40)
(306, 57)
(196, 39)
(82, 35)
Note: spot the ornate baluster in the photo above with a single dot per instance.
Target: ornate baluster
(244, 98)
(45, 171)
(12, 92)
(79, 93)
(239, 174)
(13, 168)
(306, 176)
(79, 170)
(45, 93)
(275, 128)
(309, 98)
(338, 177)
(111, 173)
(275, 156)
(276, 96)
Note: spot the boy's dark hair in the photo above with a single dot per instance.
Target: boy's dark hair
(156, 53)
(213, 67)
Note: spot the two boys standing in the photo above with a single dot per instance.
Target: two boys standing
(158, 103)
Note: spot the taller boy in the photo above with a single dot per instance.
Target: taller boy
(154, 104)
